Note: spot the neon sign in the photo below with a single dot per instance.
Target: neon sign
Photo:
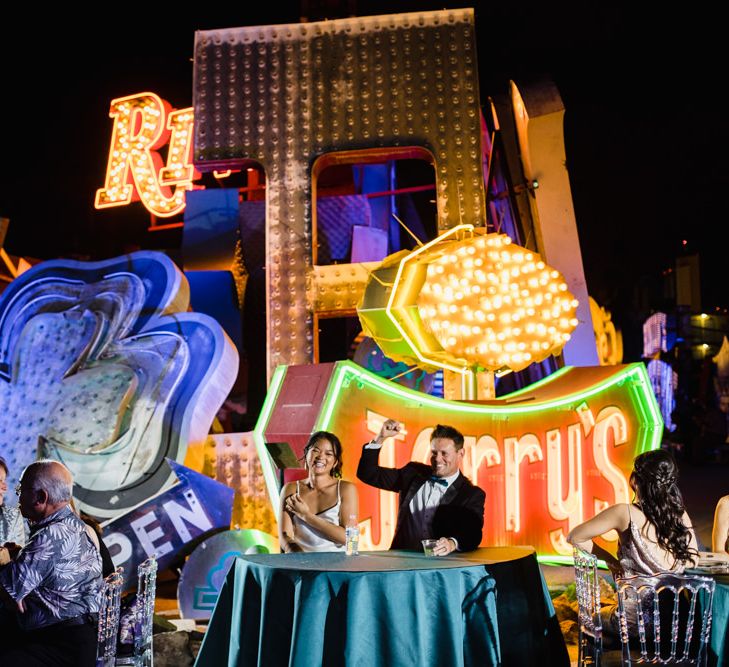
(548, 457)
(143, 124)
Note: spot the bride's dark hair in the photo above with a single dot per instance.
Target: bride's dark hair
(654, 480)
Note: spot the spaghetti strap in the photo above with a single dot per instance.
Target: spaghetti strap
(297, 486)
(339, 496)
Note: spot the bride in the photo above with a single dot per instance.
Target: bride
(315, 511)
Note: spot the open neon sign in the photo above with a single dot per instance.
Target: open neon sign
(548, 457)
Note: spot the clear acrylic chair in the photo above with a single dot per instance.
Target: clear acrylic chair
(587, 590)
(144, 613)
(109, 619)
(665, 619)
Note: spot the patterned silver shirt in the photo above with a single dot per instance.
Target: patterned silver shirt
(57, 574)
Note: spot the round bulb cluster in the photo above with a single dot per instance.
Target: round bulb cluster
(494, 304)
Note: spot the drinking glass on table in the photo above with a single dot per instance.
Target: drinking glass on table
(428, 546)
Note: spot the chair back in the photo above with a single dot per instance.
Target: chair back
(109, 619)
(587, 589)
(146, 591)
(665, 619)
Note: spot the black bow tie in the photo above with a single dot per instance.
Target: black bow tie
(438, 480)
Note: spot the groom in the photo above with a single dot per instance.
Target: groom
(436, 501)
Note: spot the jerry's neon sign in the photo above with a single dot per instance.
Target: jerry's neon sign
(548, 457)
(143, 124)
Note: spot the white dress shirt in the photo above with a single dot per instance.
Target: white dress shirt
(426, 500)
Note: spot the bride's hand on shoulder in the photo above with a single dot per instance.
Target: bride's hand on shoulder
(296, 505)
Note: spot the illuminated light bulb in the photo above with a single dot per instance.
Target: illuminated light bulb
(453, 308)
(574, 303)
(452, 341)
(574, 322)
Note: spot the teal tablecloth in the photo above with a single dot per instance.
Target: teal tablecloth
(718, 648)
(487, 607)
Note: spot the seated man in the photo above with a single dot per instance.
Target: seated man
(52, 585)
(436, 501)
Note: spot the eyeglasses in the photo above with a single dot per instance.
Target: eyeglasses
(17, 489)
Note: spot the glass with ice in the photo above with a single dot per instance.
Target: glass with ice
(428, 546)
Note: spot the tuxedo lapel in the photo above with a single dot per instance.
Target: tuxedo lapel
(413, 489)
(453, 490)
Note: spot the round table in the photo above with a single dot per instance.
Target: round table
(486, 607)
(718, 648)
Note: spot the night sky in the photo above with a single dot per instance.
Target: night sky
(645, 128)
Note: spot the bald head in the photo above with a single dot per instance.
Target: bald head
(45, 487)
